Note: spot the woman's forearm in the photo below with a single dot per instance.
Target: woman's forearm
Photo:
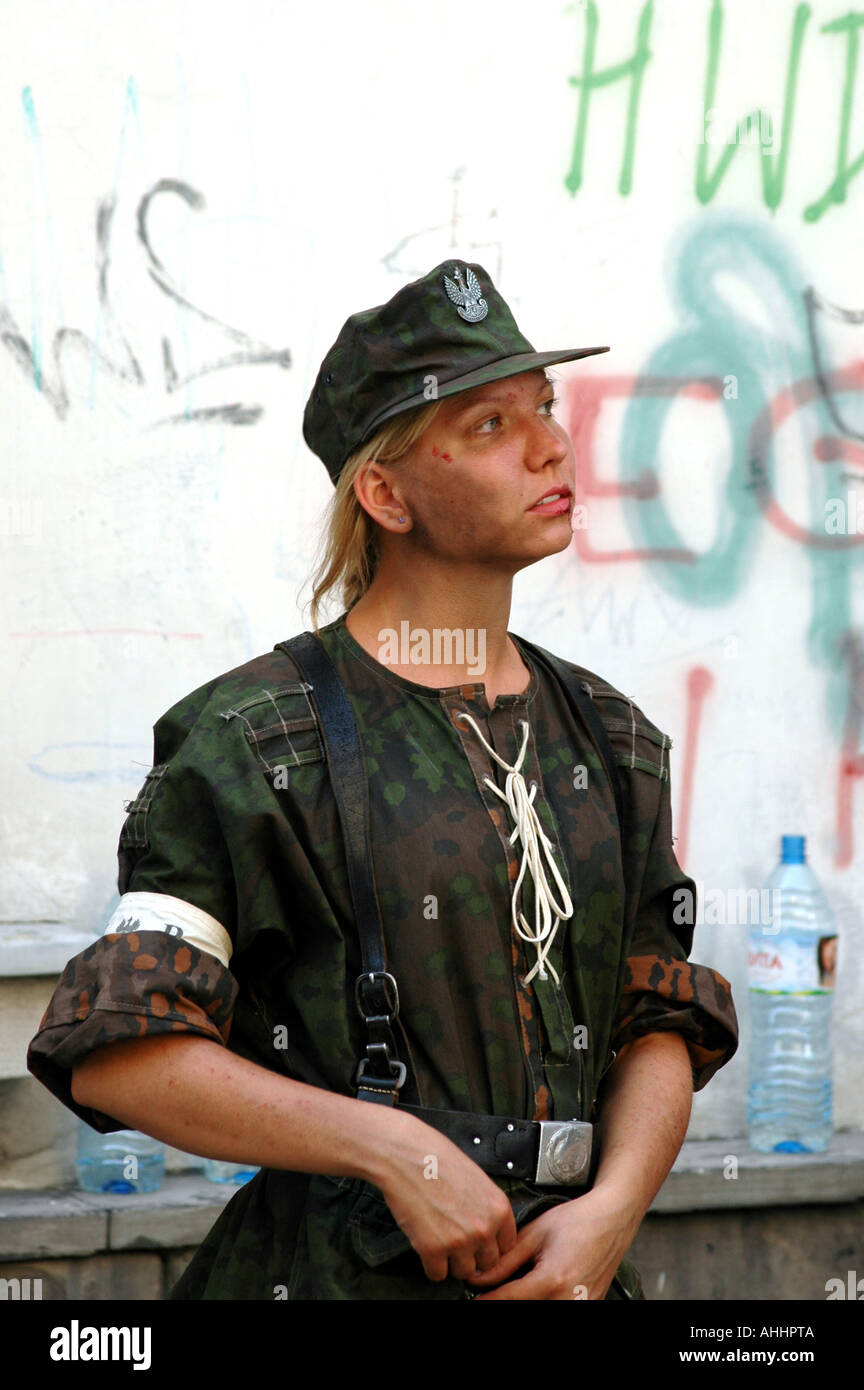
(643, 1115)
(199, 1097)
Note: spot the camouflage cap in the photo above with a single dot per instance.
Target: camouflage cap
(447, 332)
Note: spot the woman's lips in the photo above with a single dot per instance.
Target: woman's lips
(554, 508)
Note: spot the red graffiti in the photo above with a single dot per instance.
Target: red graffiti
(851, 762)
(826, 449)
(587, 396)
(586, 399)
(700, 683)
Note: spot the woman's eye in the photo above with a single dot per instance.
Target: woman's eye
(495, 420)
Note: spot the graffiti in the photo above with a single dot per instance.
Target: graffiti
(586, 401)
(246, 351)
(851, 761)
(853, 380)
(619, 619)
(700, 683)
(715, 342)
(754, 128)
(632, 70)
(773, 169)
(409, 258)
(78, 762)
(114, 354)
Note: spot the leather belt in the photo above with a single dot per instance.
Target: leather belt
(553, 1153)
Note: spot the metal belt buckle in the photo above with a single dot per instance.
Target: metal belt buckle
(372, 976)
(564, 1158)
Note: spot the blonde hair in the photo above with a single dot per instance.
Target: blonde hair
(349, 552)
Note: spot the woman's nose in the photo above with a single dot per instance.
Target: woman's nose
(546, 444)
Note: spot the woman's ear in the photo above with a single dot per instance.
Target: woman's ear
(376, 494)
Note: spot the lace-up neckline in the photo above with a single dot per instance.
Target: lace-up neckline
(534, 839)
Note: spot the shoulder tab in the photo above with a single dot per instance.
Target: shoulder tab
(637, 742)
(260, 693)
(279, 724)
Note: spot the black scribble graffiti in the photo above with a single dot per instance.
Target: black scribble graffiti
(122, 364)
(814, 304)
(116, 355)
(248, 351)
(235, 414)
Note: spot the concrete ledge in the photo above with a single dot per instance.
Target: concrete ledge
(34, 1225)
(39, 948)
(179, 1214)
(38, 1224)
(702, 1176)
(23, 1001)
(32, 957)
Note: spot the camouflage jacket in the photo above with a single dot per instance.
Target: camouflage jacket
(235, 923)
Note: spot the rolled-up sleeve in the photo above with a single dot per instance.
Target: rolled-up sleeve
(664, 991)
(128, 985)
(667, 994)
(161, 965)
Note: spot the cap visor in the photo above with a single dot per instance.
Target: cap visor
(482, 376)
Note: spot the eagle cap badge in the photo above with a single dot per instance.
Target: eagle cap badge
(469, 301)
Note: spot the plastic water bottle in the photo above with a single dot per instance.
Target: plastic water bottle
(217, 1171)
(124, 1161)
(791, 964)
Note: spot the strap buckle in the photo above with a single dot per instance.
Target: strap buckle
(386, 1074)
(370, 976)
(564, 1156)
(398, 1072)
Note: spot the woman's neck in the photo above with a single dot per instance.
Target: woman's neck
(440, 640)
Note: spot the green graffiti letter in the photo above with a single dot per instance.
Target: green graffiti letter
(631, 69)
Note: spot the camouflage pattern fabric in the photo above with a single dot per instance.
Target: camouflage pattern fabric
(287, 1236)
(385, 359)
(128, 985)
(236, 818)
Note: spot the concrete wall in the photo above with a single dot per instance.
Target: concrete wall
(189, 208)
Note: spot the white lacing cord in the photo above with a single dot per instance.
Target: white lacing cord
(529, 830)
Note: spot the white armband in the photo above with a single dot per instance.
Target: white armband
(161, 912)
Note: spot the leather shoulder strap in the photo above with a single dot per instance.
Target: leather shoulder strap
(380, 1074)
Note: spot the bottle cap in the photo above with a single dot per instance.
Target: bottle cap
(792, 849)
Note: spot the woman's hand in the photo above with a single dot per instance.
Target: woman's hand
(573, 1250)
(457, 1219)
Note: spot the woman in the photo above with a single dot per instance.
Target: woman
(527, 920)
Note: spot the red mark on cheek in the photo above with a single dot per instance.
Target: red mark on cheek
(439, 453)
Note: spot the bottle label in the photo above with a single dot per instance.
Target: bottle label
(790, 966)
